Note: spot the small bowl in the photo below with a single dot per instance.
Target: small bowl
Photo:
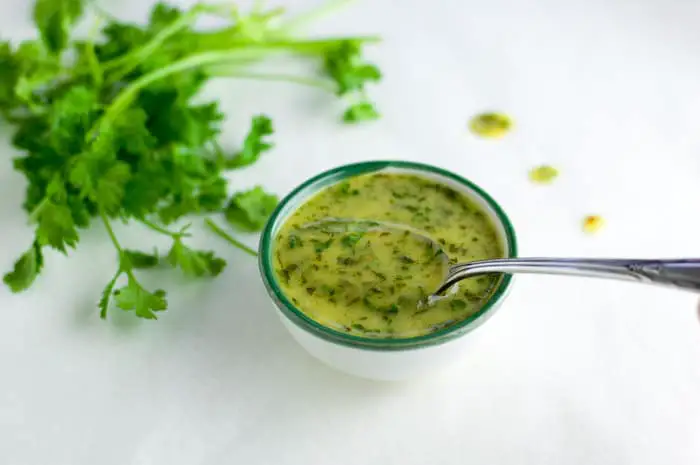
(382, 359)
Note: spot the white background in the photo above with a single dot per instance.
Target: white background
(569, 372)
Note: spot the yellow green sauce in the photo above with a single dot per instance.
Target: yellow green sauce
(370, 280)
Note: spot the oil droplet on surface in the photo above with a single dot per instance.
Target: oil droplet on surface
(491, 125)
(592, 223)
(543, 174)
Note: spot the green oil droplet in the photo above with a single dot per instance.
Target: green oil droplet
(544, 174)
(491, 125)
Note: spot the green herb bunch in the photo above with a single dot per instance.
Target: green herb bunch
(111, 132)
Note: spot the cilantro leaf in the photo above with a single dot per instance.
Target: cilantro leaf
(254, 144)
(101, 182)
(344, 64)
(172, 119)
(134, 259)
(146, 189)
(70, 117)
(363, 111)
(27, 75)
(110, 186)
(131, 133)
(144, 304)
(97, 173)
(56, 226)
(26, 269)
(54, 19)
(249, 210)
(195, 262)
(121, 38)
(191, 184)
(132, 296)
(163, 15)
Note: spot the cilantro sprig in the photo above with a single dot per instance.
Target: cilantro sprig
(113, 130)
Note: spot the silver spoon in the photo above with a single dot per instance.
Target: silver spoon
(677, 273)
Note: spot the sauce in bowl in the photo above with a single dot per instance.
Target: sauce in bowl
(370, 281)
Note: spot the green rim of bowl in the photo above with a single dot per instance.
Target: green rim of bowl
(335, 175)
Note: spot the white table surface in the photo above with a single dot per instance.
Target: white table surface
(569, 372)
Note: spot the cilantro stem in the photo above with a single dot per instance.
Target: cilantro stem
(126, 96)
(107, 293)
(113, 238)
(208, 58)
(136, 57)
(225, 236)
(93, 62)
(162, 230)
(318, 83)
(110, 231)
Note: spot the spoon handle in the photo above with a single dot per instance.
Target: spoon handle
(677, 273)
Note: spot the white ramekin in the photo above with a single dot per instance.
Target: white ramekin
(382, 359)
